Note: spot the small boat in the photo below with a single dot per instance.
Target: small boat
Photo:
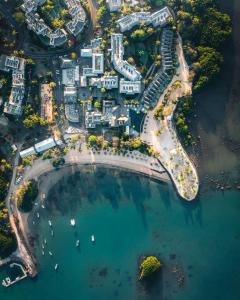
(92, 238)
(42, 206)
(56, 267)
(52, 233)
(45, 241)
(38, 215)
(43, 246)
(77, 243)
(72, 222)
(50, 253)
(4, 283)
(8, 280)
(50, 223)
(43, 253)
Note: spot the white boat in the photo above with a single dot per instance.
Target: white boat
(43, 253)
(50, 223)
(43, 206)
(92, 238)
(45, 241)
(4, 283)
(77, 243)
(72, 222)
(38, 215)
(56, 267)
(50, 253)
(43, 246)
(52, 233)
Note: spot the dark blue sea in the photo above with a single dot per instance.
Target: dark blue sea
(131, 216)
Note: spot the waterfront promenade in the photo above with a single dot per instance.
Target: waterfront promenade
(161, 134)
(131, 161)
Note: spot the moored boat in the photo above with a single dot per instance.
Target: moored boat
(72, 222)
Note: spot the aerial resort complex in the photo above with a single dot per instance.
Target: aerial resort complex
(100, 144)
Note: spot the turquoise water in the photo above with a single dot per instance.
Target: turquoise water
(130, 216)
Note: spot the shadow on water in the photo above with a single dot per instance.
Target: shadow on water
(116, 186)
(152, 286)
(192, 211)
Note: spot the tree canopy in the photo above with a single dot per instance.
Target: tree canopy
(149, 265)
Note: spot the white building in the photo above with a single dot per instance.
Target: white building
(130, 87)
(45, 145)
(93, 119)
(97, 63)
(120, 65)
(59, 36)
(86, 52)
(70, 94)
(17, 65)
(107, 82)
(158, 18)
(68, 76)
(28, 152)
(135, 19)
(83, 81)
(114, 5)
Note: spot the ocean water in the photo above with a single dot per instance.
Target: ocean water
(131, 216)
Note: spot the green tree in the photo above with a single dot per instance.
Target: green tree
(97, 104)
(26, 194)
(149, 265)
(92, 140)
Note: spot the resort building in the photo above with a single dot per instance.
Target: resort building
(130, 87)
(27, 152)
(112, 116)
(17, 66)
(114, 5)
(70, 94)
(86, 53)
(75, 26)
(94, 52)
(158, 18)
(68, 76)
(135, 19)
(120, 65)
(59, 36)
(97, 63)
(107, 82)
(41, 147)
(72, 112)
(163, 76)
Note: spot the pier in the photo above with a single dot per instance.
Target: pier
(8, 282)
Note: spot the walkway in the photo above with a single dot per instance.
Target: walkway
(162, 134)
(132, 161)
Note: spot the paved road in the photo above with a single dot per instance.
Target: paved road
(22, 242)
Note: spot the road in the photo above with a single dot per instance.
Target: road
(93, 11)
(23, 252)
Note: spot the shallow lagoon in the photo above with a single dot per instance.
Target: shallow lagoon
(131, 215)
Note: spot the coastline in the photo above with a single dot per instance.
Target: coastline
(43, 170)
(49, 178)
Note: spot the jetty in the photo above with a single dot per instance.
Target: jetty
(8, 282)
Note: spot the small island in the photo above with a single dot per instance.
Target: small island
(149, 266)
